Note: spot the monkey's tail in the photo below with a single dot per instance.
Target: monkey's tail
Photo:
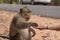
(4, 37)
(33, 32)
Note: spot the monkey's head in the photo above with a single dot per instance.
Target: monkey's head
(25, 13)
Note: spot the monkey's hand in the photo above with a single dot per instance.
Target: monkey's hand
(34, 24)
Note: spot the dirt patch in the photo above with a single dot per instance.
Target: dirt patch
(6, 18)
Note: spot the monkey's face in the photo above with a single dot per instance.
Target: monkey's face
(26, 15)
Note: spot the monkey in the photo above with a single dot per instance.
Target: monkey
(20, 27)
(14, 33)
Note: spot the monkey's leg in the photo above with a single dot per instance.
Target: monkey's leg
(33, 32)
(25, 34)
(14, 37)
(19, 37)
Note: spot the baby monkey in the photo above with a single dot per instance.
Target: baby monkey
(20, 28)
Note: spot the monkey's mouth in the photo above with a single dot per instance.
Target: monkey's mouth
(27, 18)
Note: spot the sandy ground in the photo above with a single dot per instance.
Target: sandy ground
(6, 18)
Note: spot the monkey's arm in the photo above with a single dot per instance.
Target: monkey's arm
(22, 25)
(25, 24)
(33, 24)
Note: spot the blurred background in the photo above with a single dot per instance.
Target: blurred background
(45, 15)
(32, 2)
